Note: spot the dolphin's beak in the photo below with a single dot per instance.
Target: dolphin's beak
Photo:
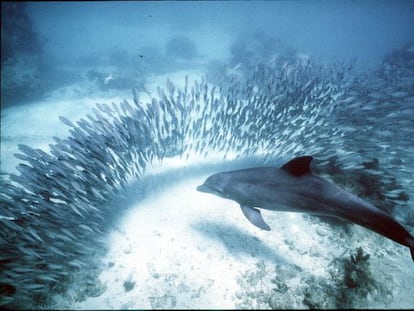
(203, 188)
(207, 189)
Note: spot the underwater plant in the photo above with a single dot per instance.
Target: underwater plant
(354, 280)
(351, 284)
(129, 285)
(356, 271)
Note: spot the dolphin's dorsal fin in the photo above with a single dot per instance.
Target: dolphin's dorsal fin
(298, 166)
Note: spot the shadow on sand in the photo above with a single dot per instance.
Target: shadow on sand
(237, 242)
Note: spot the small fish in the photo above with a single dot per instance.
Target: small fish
(66, 121)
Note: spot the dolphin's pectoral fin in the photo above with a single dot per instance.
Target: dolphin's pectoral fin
(254, 216)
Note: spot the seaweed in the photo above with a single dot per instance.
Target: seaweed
(129, 285)
(350, 284)
(355, 280)
(356, 270)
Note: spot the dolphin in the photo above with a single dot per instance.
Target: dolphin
(295, 188)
